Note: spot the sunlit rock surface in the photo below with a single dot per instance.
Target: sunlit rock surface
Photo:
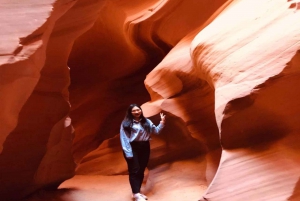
(36, 132)
(226, 73)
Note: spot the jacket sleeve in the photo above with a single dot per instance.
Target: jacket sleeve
(156, 129)
(125, 143)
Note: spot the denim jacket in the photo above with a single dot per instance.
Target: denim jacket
(138, 133)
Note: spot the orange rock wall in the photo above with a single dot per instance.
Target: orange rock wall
(36, 132)
(226, 73)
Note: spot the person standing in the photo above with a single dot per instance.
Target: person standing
(135, 133)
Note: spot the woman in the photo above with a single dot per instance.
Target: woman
(135, 135)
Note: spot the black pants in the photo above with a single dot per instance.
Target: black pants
(138, 164)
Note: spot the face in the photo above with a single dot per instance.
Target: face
(136, 112)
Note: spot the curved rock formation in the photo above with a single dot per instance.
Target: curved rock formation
(256, 105)
(226, 73)
(36, 133)
(149, 40)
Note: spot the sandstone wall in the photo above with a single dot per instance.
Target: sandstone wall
(36, 132)
(226, 73)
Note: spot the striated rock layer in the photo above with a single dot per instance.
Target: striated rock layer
(256, 99)
(226, 73)
(36, 132)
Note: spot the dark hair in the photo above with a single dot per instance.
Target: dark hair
(128, 120)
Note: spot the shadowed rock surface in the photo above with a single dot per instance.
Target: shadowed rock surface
(226, 73)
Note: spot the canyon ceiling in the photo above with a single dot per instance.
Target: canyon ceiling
(226, 74)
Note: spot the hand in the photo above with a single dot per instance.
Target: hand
(162, 117)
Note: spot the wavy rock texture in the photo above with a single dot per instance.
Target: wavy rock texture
(259, 90)
(226, 73)
(36, 132)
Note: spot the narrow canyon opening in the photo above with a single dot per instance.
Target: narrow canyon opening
(225, 72)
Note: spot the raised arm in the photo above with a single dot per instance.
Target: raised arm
(157, 129)
(125, 143)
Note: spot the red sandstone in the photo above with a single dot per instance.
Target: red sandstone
(226, 73)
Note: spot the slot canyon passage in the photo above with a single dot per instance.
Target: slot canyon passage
(225, 72)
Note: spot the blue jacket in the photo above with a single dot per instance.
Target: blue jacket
(138, 133)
